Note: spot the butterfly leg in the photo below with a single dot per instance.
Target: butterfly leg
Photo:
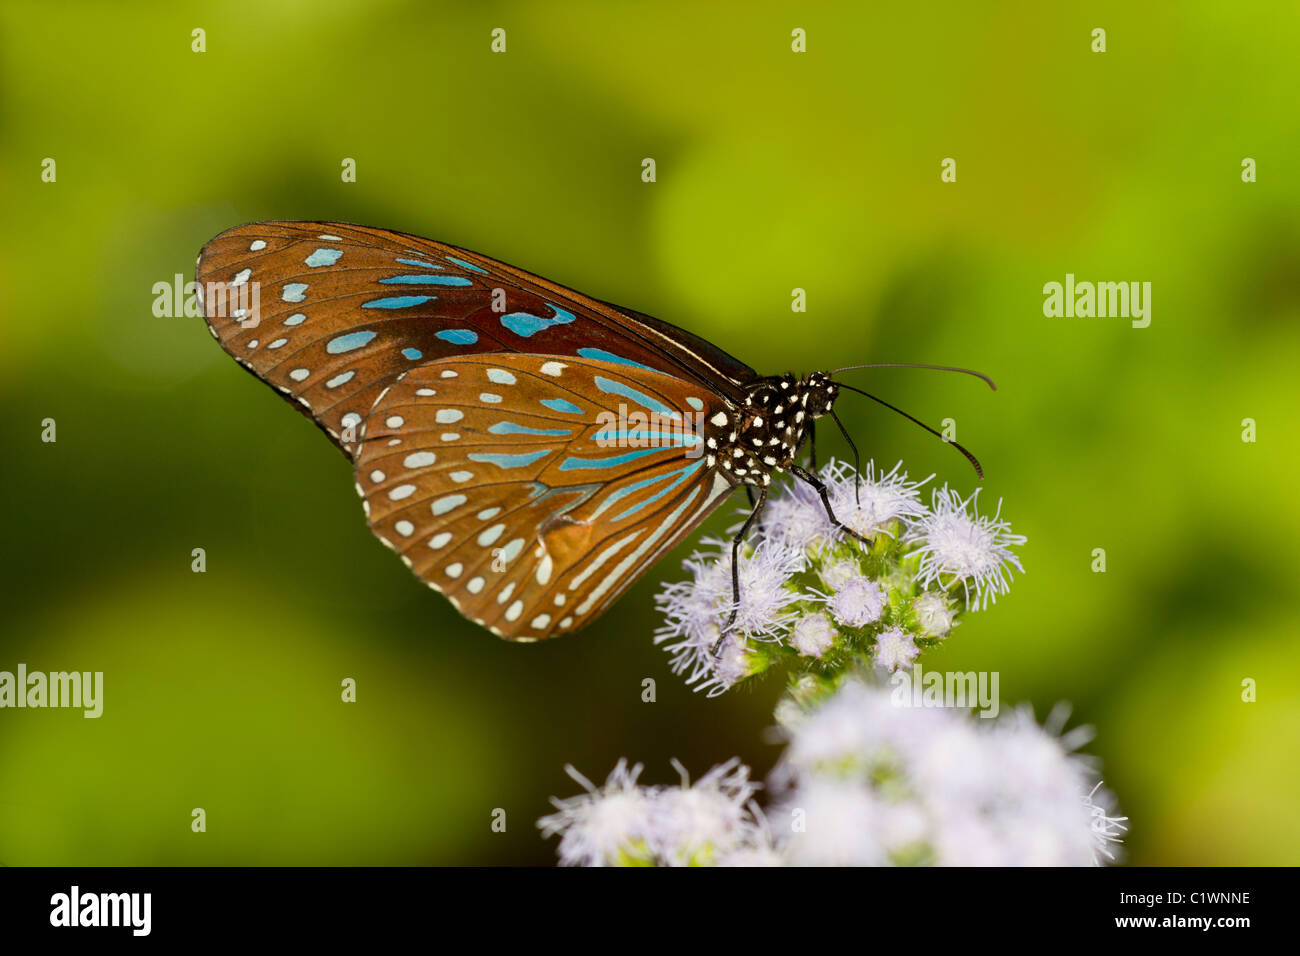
(735, 567)
(820, 486)
(812, 446)
(749, 493)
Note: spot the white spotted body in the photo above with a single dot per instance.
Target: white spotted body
(760, 436)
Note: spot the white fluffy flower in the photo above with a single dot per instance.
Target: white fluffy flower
(956, 543)
(797, 518)
(717, 674)
(813, 634)
(934, 614)
(869, 501)
(857, 603)
(836, 574)
(698, 824)
(857, 730)
(938, 785)
(800, 564)
(711, 822)
(764, 605)
(605, 825)
(894, 649)
(831, 822)
(696, 611)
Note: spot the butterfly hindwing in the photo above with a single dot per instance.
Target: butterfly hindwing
(532, 490)
(341, 311)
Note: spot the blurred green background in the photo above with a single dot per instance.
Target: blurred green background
(776, 170)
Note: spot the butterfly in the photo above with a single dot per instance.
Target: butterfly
(528, 451)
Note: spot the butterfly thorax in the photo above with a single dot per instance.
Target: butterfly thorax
(749, 441)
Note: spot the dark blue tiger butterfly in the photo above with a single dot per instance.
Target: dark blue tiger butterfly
(486, 412)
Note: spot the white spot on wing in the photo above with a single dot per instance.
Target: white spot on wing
(444, 504)
(490, 536)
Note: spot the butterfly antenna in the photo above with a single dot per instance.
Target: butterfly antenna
(969, 457)
(857, 477)
(936, 368)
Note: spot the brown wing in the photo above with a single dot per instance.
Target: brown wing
(511, 484)
(330, 314)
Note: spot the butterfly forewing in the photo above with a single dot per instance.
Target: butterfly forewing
(532, 490)
(341, 311)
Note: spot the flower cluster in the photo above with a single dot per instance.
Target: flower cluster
(863, 782)
(870, 776)
(713, 822)
(811, 593)
(869, 780)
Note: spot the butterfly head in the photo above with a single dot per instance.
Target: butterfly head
(762, 435)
